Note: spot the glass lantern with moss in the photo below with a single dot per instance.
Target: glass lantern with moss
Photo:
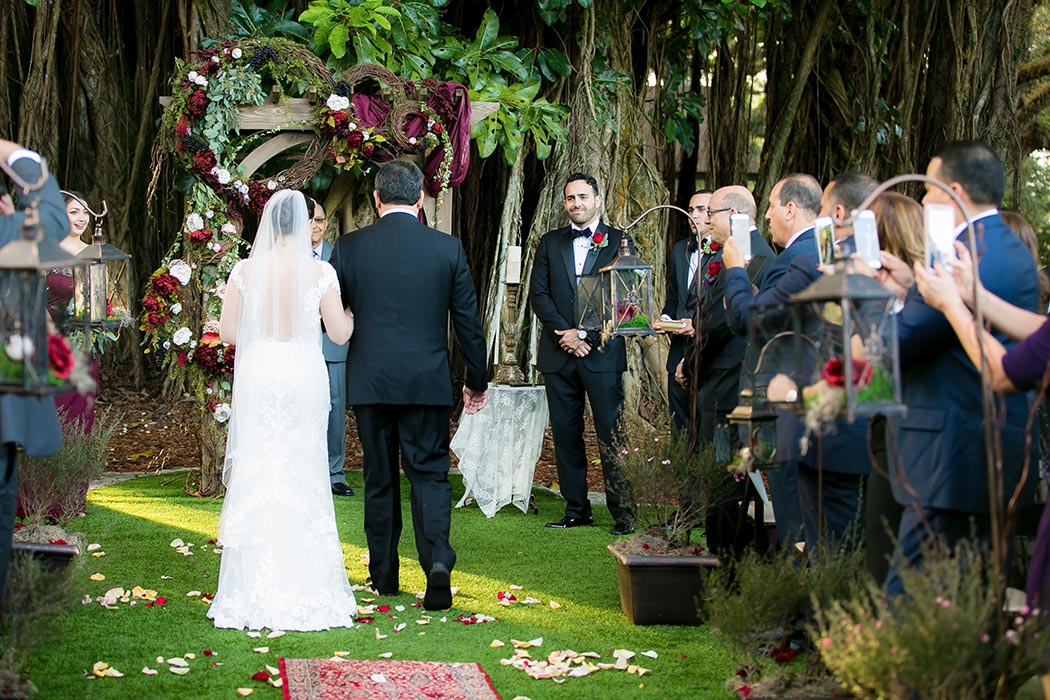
(618, 301)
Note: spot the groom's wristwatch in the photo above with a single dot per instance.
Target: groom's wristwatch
(582, 335)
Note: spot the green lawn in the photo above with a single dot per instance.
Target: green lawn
(136, 521)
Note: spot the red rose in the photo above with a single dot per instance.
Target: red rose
(834, 372)
(367, 149)
(715, 246)
(228, 357)
(598, 238)
(713, 268)
(154, 319)
(182, 359)
(196, 104)
(151, 304)
(183, 127)
(165, 284)
(60, 356)
(437, 129)
(355, 139)
(200, 236)
(204, 161)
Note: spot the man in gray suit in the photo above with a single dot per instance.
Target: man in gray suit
(335, 361)
(25, 421)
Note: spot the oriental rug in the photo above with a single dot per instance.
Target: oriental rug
(350, 679)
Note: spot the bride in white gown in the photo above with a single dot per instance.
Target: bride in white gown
(282, 564)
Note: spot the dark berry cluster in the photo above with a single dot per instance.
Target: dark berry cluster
(193, 144)
(266, 53)
(342, 88)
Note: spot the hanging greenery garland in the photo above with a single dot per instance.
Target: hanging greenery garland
(354, 130)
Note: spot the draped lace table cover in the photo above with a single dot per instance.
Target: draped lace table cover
(498, 447)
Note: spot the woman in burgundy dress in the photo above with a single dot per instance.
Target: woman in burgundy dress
(1024, 366)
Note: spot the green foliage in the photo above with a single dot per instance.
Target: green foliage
(1034, 199)
(54, 486)
(272, 19)
(413, 41)
(946, 639)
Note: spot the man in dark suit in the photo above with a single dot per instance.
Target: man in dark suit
(335, 363)
(26, 422)
(794, 203)
(942, 476)
(574, 362)
(403, 281)
(681, 276)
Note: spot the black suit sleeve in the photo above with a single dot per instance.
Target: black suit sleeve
(540, 296)
(463, 307)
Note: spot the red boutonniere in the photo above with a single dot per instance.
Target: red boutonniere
(598, 240)
(713, 268)
(711, 247)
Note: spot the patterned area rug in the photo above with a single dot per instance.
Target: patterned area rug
(328, 679)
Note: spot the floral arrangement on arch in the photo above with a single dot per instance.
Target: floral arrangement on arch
(182, 300)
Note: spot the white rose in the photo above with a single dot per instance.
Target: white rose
(214, 59)
(182, 336)
(222, 412)
(209, 214)
(237, 184)
(211, 326)
(219, 290)
(175, 308)
(352, 126)
(271, 185)
(223, 175)
(194, 222)
(201, 80)
(412, 140)
(167, 344)
(337, 102)
(192, 76)
(18, 347)
(180, 271)
(243, 189)
(228, 228)
(237, 53)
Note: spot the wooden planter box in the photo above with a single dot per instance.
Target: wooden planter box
(661, 589)
(56, 556)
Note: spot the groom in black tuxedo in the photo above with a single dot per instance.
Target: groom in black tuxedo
(403, 280)
(573, 361)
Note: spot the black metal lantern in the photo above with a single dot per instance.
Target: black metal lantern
(618, 301)
(758, 424)
(33, 360)
(854, 358)
(101, 286)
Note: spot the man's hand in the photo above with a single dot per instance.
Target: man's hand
(963, 272)
(6, 205)
(571, 343)
(731, 255)
(679, 375)
(688, 329)
(474, 401)
(937, 287)
(894, 275)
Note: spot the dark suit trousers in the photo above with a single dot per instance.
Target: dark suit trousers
(836, 499)
(948, 527)
(420, 433)
(8, 500)
(566, 391)
(882, 513)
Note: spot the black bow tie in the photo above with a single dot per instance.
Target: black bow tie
(581, 233)
(693, 246)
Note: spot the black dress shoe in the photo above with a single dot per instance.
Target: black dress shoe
(571, 522)
(622, 528)
(342, 490)
(439, 588)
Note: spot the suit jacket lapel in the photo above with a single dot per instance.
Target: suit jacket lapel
(683, 268)
(326, 251)
(568, 254)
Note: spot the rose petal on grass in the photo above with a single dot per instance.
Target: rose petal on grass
(244, 692)
(97, 577)
(378, 635)
(554, 605)
(193, 594)
(99, 668)
(261, 650)
(147, 671)
(386, 654)
(651, 654)
(400, 626)
(275, 634)
(177, 661)
(261, 676)
(341, 654)
(515, 587)
(208, 652)
(529, 600)
(165, 578)
(93, 546)
(160, 660)
(496, 644)
(273, 671)
(98, 554)
(275, 682)
(176, 543)
(423, 621)
(189, 655)
(179, 670)
(254, 635)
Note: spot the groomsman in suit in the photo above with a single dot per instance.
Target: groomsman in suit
(681, 274)
(335, 362)
(794, 203)
(574, 364)
(403, 281)
(26, 422)
(941, 477)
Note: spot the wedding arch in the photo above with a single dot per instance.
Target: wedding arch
(237, 112)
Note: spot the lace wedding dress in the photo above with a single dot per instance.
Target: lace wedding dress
(282, 563)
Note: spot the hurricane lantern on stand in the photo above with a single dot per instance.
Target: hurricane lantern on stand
(850, 322)
(33, 359)
(508, 371)
(101, 286)
(618, 301)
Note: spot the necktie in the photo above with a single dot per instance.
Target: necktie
(317, 256)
